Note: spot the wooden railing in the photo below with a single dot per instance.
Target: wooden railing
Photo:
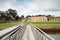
(40, 35)
(16, 33)
(12, 33)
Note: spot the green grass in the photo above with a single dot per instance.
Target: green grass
(40, 24)
(44, 22)
(47, 25)
(6, 25)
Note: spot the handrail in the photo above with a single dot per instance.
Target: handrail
(16, 33)
(12, 33)
(43, 33)
(7, 31)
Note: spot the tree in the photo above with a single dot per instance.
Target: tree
(17, 17)
(28, 16)
(22, 16)
(3, 16)
(12, 14)
(49, 17)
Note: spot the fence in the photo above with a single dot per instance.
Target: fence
(16, 33)
(40, 35)
(12, 33)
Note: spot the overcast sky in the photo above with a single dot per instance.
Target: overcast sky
(32, 7)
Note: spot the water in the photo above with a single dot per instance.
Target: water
(55, 36)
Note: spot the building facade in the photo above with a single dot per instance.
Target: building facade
(43, 19)
(56, 19)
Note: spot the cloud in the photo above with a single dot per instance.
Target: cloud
(11, 4)
(49, 4)
(32, 7)
(7, 4)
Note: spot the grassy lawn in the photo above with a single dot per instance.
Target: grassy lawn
(48, 27)
(38, 24)
(46, 24)
(6, 25)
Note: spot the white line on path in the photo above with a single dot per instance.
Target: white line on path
(28, 35)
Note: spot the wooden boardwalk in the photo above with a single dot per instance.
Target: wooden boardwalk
(24, 32)
(28, 35)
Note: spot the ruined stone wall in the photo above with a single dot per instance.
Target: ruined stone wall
(43, 19)
(56, 19)
(38, 19)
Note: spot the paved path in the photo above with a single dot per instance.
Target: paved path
(28, 35)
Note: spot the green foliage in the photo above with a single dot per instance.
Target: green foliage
(49, 17)
(28, 16)
(17, 17)
(22, 16)
(10, 14)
